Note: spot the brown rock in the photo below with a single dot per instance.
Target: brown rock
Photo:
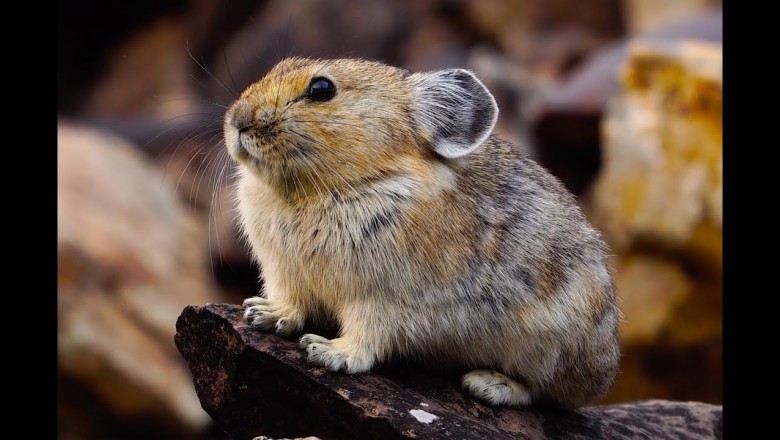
(153, 70)
(129, 257)
(195, 163)
(371, 29)
(148, 73)
(654, 287)
(543, 40)
(252, 382)
(672, 330)
(513, 23)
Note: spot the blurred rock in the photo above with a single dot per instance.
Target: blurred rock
(432, 44)
(524, 47)
(212, 24)
(89, 33)
(509, 84)
(672, 335)
(656, 286)
(565, 116)
(129, 257)
(278, 29)
(547, 37)
(156, 70)
(603, 17)
(662, 176)
(147, 73)
(643, 16)
(658, 199)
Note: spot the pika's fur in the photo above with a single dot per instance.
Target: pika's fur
(378, 199)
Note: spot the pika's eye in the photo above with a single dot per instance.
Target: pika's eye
(321, 89)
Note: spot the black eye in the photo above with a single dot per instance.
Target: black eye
(321, 89)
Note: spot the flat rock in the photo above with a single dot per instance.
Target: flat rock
(257, 384)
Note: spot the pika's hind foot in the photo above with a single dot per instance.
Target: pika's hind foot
(264, 315)
(336, 354)
(496, 388)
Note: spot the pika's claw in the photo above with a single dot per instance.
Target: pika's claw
(335, 354)
(310, 338)
(259, 318)
(255, 301)
(284, 327)
(264, 315)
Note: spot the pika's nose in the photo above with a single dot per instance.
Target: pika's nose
(241, 115)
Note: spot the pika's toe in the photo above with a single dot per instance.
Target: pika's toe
(255, 301)
(496, 388)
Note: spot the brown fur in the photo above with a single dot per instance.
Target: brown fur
(480, 259)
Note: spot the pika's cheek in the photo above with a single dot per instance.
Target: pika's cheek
(232, 141)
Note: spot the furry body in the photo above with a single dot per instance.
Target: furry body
(480, 260)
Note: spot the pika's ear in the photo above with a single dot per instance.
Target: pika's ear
(456, 108)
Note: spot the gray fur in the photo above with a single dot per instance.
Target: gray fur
(456, 108)
(484, 263)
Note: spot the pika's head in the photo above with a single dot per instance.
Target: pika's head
(337, 122)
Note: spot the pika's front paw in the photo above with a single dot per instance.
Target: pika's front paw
(496, 388)
(264, 315)
(336, 354)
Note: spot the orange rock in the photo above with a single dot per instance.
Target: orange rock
(672, 330)
(650, 289)
(658, 200)
(662, 172)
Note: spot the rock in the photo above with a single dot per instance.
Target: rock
(672, 334)
(129, 257)
(546, 37)
(662, 176)
(658, 200)
(122, 62)
(278, 29)
(147, 73)
(255, 383)
(194, 161)
(89, 34)
(643, 16)
(565, 117)
(662, 179)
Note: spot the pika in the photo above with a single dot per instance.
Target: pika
(378, 199)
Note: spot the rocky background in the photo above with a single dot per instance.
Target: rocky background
(621, 99)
